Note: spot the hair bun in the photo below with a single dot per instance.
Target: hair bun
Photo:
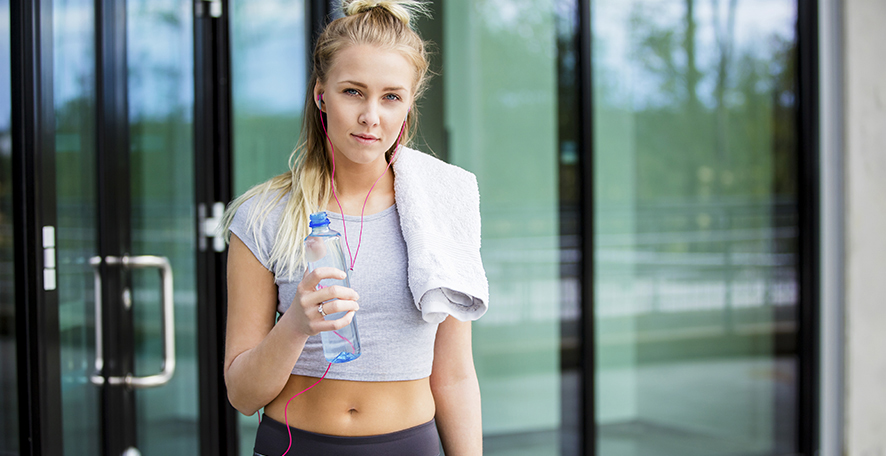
(403, 10)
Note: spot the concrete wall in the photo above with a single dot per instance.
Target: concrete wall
(865, 226)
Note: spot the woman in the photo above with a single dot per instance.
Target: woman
(416, 276)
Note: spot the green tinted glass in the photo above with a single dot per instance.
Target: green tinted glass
(500, 82)
(161, 105)
(75, 154)
(695, 211)
(269, 75)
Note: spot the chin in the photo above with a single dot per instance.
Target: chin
(364, 158)
(366, 155)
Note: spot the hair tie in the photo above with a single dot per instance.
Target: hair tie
(360, 6)
(404, 10)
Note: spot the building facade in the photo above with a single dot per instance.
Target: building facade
(682, 207)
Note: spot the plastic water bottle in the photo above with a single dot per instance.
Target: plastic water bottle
(322, 249)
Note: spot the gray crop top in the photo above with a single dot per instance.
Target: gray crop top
(397, 344)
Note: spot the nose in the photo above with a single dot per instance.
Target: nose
(369, 115)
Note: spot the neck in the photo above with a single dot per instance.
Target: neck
(355, 179)
(353, 183)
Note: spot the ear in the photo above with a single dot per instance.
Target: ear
(318, 95)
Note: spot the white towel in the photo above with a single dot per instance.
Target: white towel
(439, 206)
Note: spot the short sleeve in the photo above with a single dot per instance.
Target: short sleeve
(257, 236)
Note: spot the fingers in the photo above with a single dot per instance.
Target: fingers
(312, 279)
(335, 299)
(335, 292)
(335, 325)
(319, 323)
(337, 306)
(312, 322)
(309, 296)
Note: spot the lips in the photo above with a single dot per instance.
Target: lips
(365, 138)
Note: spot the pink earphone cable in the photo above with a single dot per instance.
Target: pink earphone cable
(286, 409)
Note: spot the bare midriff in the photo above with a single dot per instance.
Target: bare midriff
(349, 408)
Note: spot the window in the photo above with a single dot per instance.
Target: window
(695, 158)
(506, 70)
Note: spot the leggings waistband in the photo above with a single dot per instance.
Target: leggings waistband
(272, 439)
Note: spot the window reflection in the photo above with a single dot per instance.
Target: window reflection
(74, 96)
(269, 75)
(695, 210)
(500, 77)
(160, 78)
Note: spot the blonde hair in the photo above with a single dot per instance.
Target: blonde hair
(386, 24)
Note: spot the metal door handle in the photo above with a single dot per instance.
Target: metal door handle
(168, 328)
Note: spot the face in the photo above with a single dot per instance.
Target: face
(366, 97)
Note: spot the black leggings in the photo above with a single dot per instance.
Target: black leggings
(272, 440)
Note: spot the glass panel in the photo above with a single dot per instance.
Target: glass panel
(9, 402)
(75, 101)
(161, 105)
(500, 79)
(269, 74)
(696, 226)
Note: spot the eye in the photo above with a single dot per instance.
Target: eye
(392, 97)
(352, 92)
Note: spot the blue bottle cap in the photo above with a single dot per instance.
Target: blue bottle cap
(319, 219)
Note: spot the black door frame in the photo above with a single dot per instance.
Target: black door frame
(34, 207)
(212, 148)
(587, 334)
(809, 226)
(118, 424)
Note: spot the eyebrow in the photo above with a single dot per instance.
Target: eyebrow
(364, 86)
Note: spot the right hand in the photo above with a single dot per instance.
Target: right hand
(305, 307)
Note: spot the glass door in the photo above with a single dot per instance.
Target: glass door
(126, 230)
(74, 80)
(160, 83)
(697, 291)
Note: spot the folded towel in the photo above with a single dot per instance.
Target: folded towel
(439, 206)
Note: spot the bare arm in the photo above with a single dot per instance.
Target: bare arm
(456, 390)
(259, 355)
